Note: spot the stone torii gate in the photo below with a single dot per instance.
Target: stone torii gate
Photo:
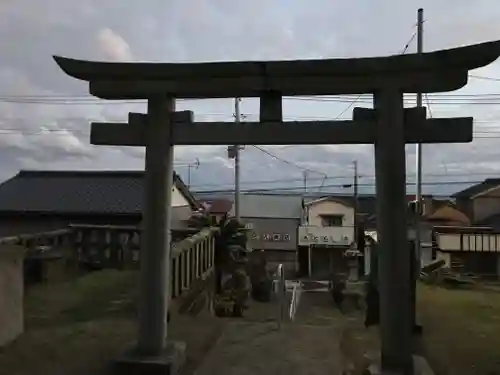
(388, 126)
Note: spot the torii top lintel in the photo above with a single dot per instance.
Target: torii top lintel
(438, 71)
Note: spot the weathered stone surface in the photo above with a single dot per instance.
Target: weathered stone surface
(436, 130)
(421, 367)
(168, 363)
(444, 70)
(11, 292)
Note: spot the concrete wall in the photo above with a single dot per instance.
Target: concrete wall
(11, 293)
(328, 207)
(487, 204)
(12, 226)
(178, 199)
(426, 256)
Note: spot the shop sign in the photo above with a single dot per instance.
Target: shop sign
(310, 239)
(271, 237)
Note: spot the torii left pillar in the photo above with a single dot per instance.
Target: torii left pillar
(154, 261)
(152, 345)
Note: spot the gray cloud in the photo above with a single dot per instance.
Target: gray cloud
(48, 135)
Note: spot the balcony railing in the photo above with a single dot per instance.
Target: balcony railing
(487, 241)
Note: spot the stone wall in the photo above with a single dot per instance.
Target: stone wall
(11, 292)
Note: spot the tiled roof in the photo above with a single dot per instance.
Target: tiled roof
(450, 214)
(343, 201)
(218, 205)
(77, 192)
(270, 206)
(366, 203)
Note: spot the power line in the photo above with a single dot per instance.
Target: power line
(407, 45)
(340, 177)
(358, 98)
(484, 77)
(442, 100)
(298, 191)
(343, 186)
(295, 165)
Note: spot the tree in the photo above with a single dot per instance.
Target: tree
(231, 258)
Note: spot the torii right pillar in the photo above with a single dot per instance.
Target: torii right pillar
(394, 258)
(396, 309)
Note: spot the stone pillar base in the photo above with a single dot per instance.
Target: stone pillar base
(167, 363)
(421, 367)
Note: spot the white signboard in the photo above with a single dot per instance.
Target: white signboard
(330, 236)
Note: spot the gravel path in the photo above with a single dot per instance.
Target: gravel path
(309, 345)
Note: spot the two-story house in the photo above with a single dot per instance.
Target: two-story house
(326, 232)
(475, 248)
(481, 202)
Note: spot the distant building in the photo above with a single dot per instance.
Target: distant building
(218, 207)
(481, 202)
(473, 247)
(273, 221)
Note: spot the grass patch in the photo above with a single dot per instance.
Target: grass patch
(95, 296)
(78, 327)
(74, 327)
(461, 330)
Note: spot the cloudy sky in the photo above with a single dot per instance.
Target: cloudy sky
(45, 115)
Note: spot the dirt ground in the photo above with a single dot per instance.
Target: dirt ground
(461, 330)
(78, 327)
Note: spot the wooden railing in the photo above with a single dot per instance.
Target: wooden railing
(92, 246)
(192, 260)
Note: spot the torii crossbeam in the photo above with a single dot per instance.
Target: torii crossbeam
(389, 126)
(417, 129)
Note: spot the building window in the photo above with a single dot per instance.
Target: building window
(331, 220)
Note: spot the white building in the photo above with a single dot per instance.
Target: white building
(326, 232)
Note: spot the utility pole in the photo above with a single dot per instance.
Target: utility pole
(418, 166)
(355, 188)
(304, 174)
(418, 194)
(234, 153)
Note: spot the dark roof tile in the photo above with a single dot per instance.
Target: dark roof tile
(218, 205)
(477, 188)
(78, 192)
